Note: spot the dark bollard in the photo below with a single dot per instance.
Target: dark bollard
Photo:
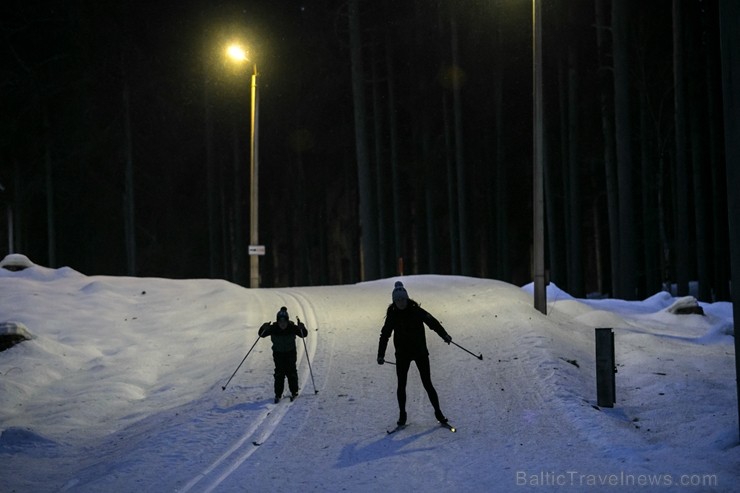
(606, 368)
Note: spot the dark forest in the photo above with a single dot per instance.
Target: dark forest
(392, 135)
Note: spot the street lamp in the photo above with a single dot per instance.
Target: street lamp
(235, 52)
(540, 295)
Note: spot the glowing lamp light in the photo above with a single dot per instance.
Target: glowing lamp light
(237, 53)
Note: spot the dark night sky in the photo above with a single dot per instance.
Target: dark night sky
(66, 66)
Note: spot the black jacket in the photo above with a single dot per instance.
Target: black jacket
(407, 327)
(283, 341)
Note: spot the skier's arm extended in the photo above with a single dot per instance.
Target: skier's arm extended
(434, 324)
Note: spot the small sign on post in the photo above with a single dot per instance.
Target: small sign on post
(256, 249)
(606, 368)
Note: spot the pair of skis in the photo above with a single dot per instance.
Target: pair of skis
(292, 397)
(401, 427)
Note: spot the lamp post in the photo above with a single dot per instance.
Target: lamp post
(255, 250)
(538, 251)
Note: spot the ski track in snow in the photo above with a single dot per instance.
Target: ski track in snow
(235, 456)
(266, 423)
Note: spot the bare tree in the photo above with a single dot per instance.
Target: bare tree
(368, 218)
(681, 221)
(626, 268)
(730, 44)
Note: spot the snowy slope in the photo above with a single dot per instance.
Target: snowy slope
(121, 390)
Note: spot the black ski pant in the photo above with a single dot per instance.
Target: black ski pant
(285, 367)
(422, 364)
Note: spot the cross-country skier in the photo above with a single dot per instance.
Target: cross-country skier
(406, 319)
(283, 332)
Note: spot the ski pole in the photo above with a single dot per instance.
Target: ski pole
(389, 362)
(240, 364)
(309, 361)
(479, 356)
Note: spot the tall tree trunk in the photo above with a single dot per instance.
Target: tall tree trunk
(651, 242)
(430, 199)
(700, 214)
(575, 253)
(449, 162)
(720, 252)
(238, 225)
(211, 188)
(11, 229)
(681, 220)
(498, 238)
(697, 123)
(607, 129)
(557, 196)
(393, 144)
(623, 126)
(378, 154)
(666, 255)
(302, 247)
(500, 266)
(50, 207)
(451, 191)
(226, 219)
(648, 147)
(129, 196)
(466, 268)
(19, 238)
(324, 273)
(368, 218)
(729, 16)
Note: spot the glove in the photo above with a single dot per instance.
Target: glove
(447, 338)
(301, 328)
(263, 328)
(381, 360)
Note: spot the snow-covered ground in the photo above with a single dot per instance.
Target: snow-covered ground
(121, 391)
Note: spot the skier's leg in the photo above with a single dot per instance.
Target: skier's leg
(402, 370)
(292, 372)
(279, 359)
(425, 373)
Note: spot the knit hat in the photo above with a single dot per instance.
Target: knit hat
(399, 292)
(283, 313)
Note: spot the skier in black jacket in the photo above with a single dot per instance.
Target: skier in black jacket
(406, 319)
(283, 333)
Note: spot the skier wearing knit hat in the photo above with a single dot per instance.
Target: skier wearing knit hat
(405, 319)
(283, 332)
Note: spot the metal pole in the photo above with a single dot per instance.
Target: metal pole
(606, 368)
(729, 16)
(240, 364)
(254, 276)
(479, 356)
(309, 366)
(308, 360)
(540, 296)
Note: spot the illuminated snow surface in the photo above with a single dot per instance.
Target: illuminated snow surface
(120, 390)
